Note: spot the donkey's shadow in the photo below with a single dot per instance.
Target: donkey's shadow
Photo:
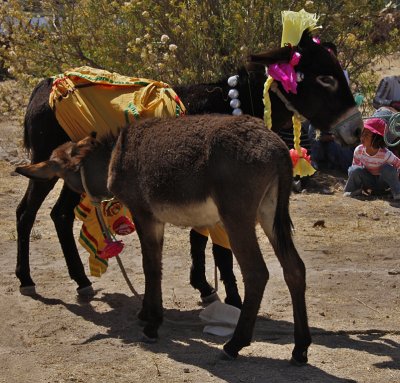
(182, 329)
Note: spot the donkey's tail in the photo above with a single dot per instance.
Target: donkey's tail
(38, 105)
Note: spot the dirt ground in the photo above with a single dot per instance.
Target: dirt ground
(351, 251)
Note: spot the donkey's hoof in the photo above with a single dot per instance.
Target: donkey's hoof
(87, 291)
(226, 356)
(27, 290)
(229, 354)
(299, 358)
(211, 298)
(146, 339)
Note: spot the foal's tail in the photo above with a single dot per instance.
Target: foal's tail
(283, 224)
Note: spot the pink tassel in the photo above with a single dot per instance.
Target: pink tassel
(112, 249)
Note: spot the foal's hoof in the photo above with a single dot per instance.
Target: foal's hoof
(87, 291)
(146, 339)
(27, 290)
(211, 298)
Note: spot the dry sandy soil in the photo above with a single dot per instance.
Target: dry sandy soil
(353, 276)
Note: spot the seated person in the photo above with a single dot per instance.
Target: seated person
(374, 166)
(388, 93)
(326, 153)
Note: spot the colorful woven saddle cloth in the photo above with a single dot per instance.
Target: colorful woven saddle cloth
(86, 100)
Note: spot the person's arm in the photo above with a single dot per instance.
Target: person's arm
(393, 160)
(357, 156)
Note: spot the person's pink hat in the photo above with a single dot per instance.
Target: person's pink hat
(375, 125)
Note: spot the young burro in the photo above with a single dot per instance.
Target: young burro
(196, 171)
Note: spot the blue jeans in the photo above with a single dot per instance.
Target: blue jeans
(361, 178)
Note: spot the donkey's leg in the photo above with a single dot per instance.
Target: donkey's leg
(26, 215)
(224, 261)
(151, 235)
(198, 243)
(255, 276)
(293, 270)
(63, 217)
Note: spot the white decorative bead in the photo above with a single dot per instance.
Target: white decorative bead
(237, 112)
(235, 103)
(233, 80)
(299, 76)
(233, 93)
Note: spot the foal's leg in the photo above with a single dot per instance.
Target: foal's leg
(26, 215)
(294, 273)
(151, 235)
(63, 217)
(255, 276)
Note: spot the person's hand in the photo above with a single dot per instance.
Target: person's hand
(395, 104)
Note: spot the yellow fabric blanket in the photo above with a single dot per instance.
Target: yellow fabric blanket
(118, 220)
(86, 100)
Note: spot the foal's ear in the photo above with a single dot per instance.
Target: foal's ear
(278, 55)
(82, 148)
(45, 170)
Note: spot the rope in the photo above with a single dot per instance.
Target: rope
(393, 128)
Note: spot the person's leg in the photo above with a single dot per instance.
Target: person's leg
(354, 182)
(389, 177)
(359, 179)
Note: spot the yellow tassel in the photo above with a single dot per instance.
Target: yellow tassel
(302, 168)
(267, 103)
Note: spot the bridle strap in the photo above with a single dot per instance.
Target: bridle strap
(281, 96)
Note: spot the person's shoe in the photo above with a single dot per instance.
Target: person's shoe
(354, 193)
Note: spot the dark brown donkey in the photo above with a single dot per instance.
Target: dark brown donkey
(323, 97)
(196, 171)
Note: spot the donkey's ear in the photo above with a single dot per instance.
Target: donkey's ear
(45, 170)
(306, 39)
(273, 56)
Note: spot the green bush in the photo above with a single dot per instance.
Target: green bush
(182, 41)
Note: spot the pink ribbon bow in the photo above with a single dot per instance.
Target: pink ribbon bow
(285, 73)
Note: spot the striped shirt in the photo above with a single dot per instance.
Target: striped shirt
(374, 163)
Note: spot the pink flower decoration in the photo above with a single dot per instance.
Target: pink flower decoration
(112, 249)
(285, 73)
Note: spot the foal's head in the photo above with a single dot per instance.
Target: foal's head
(65, 162)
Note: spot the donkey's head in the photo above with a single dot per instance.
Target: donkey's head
(323, 95)
(72, 161)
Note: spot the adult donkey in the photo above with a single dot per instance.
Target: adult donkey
(323, 97)
(199, 171)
